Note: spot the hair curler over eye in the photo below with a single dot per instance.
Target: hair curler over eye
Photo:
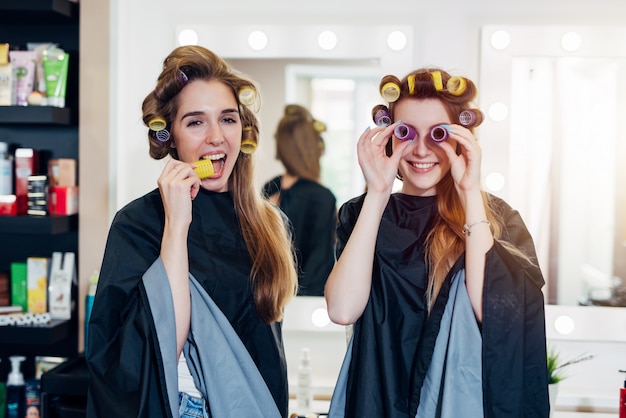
(390, 88)
(381, 117)
(404, 132)
(439, 133)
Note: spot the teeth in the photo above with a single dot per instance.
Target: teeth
(423, 165)
(214, 157)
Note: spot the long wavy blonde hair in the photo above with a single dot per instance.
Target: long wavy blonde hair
(273, 276)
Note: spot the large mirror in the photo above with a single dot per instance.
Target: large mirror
(554, 142)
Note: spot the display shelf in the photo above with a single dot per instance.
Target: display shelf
(38, 115)
(43, 335)
(27, 11)
(38, 225)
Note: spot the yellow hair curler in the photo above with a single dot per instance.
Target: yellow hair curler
(204, 169)
(456, 85)
(157, 124)
(436, 76)
(248, 143)
(247, 95)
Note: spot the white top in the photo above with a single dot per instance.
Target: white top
(185, 380)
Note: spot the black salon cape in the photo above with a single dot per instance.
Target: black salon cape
(312, 210)
(394, 339)
(126, 370)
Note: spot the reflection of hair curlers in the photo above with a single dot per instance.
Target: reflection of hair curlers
(248, 142)
(390, 88)
(471, 117)
(404, 132)
(204, 168)
(380, 114)
(439, 133)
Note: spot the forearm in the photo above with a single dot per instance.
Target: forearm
(478, 240)
(348, 287)
(176, 262)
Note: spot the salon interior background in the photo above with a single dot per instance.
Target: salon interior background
(123, 43)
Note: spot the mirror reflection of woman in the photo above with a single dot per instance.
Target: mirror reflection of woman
(310, 206)
(440, 279)
(187, 315)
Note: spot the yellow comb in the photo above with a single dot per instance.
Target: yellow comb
(204, 169)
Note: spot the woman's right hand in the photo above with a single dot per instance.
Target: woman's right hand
(178, 185)
(378, 168)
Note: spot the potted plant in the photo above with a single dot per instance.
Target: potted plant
(556, 369)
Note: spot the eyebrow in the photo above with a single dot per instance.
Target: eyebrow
(200, 113)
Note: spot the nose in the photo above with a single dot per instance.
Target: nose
(420, 145)
(214, 135)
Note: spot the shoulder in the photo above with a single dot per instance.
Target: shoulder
(141, 211)
(272, 186)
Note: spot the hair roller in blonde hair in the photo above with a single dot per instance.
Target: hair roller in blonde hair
(319, 126)
(247, 95)
(158, 125)
(456, 85)
(471, 117)
(410, 80)
(436, 76)
(390, 88)
(248, 142)
(380, 114)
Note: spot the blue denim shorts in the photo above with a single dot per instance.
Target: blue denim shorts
(191, 407)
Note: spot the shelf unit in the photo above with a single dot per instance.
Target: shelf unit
(54, 132)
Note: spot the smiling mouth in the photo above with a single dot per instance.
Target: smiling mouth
(423, 166)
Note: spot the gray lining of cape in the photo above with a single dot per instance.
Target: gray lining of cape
(220, 364)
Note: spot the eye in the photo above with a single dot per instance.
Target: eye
(229, 120)
(194, 122)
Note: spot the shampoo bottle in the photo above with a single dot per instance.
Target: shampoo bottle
(304, 380)
(16, 400)
(622, 399)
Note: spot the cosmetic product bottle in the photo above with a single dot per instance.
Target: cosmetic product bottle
(303, 395)
(6, 170)
(15, 398)
(622, 399)
(6, 76)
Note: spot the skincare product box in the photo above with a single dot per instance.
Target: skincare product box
(8, 205)
(26, 165)
(37, 195)
(63, 200)
(62, 172)
(37, 271)
(62, 276)
(19, 285)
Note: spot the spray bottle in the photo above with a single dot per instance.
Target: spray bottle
(304, 380)
(16, 400)
(622, 399)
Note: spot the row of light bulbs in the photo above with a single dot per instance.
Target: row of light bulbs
(327, 40)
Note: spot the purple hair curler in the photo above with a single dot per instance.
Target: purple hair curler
(467, 117)
(439, 133)
(382, 118)
(404, 132)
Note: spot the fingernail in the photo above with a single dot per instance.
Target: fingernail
(367, 129)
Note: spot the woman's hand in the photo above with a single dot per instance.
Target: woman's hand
(379, 169)
(465, 167)
(178, 185)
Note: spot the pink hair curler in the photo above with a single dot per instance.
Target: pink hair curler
(439, 133)
(404, 132)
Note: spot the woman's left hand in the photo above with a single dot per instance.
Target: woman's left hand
(465, 167)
